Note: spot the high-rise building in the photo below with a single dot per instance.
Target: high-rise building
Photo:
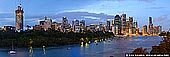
(144, 30)
(19, 18)
(127, 27)
(159, 29)
(123, 23)
(108, 25)
(150, 26)
(117, 24)
(130, 25)
(65, 25)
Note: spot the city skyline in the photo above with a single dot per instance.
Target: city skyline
(94, 11)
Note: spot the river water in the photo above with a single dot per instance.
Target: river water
(116, 48)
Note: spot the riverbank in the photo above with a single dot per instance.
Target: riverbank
(162, 48)
(49, 38)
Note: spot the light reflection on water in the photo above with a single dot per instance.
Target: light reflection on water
(116, 48)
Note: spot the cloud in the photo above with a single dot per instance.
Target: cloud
(160, 18)
(156, 7)
(88, 17)
(148, 1)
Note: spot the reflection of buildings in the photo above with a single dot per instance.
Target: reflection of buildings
(19, 18)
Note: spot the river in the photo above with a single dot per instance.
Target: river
(116, 48)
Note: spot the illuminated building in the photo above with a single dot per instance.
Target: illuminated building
(159, 29)
(108, 25)
(144, 30)
(19, 18)
(46, 24)
(82, 26)
(127, 27)
(150, 26)
(65, 25)
(9, 28)
(101, 26)
(130, 25)
(37, 27)
(92, 27)
(117, 24)
(123, 23)
(77, 26)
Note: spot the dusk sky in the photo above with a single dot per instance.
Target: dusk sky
(92, 11)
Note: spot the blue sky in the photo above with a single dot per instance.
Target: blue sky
(93, 11)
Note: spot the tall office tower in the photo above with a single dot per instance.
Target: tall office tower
(19, 18)
(82, 26)
(77, 26)
(65, 25)
(117, 22)
(101, 26)
(108, 25)
(130, 25)
(150, 26)
(127, 27)
(144, 30)
(123, 23)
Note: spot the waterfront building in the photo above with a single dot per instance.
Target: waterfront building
(127, 27)
(19, 18)
(101, 26)
(108, 25)
(92, 27)
(46, 23)
(9, 28)
(117, 24)
(159, 29)
(123, 23)
(144, 30)
(77, 26)
(82, 26)
(130, 25)
(37, 27)
(65, 25)
(150, 26)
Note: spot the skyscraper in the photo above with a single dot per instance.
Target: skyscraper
(117, 23)
(123, 23)
(108, 25)
(130, 24)
(150, 26)
(19, 18)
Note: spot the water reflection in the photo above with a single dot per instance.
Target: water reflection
(107, 48)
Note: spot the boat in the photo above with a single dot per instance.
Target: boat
(12, 51)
